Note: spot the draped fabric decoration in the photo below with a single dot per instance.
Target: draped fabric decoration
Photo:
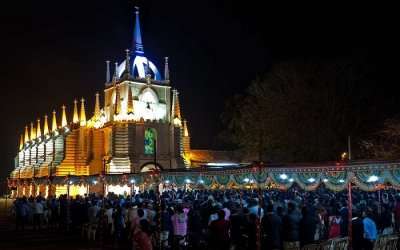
(369, 180)
(260, 176)
(367, 177)
(336, 180)
(205, 180)
(244, 178)
(393, 177)
(308, 181)
(222, 179)
(282, 180)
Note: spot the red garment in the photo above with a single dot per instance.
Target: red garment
(334, 230)
(142, 241)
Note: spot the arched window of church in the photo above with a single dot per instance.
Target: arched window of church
(149, 141)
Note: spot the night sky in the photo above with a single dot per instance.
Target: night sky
(53, 52)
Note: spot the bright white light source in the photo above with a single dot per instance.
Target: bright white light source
(283, 176)
(201, 181)
(187, 181)
(373, 178)
(325, 180)
(94, 182)
(251, 181)
(167, 181)
(291, 180)
(133, 181)
(70, 182)
(246, 180)
(341, 181)
(311, 180)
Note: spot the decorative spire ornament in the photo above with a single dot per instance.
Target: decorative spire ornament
(45, 126)
(127, 72)
(108, 71)
(115, 76)
(185, 129)
(166, 70)
(21, 142)
(33, 132)
(117, 104)
(137, 36)
(130, 101)
(26, 139)
(75, 118)
(82, 121)
(64, 122)
(176, 109)
(38, 129)
(97, 106)
(54, 122)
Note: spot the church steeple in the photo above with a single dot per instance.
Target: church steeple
(97, 106)
(75, 118)
(137, 36)
(130, 101)
(63, 117)
(82, 120)
(26, 139)
(54, 122)
(45, 126)
(38, 129)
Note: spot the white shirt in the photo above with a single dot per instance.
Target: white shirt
(38, 206)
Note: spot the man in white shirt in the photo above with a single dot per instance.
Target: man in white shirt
(37, 214)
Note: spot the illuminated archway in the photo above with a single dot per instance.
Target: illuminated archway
(150, 166)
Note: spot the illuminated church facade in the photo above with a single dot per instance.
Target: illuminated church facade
(138, 128)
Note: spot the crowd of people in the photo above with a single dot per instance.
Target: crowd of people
(216, 219)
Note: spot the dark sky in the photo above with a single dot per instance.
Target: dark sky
(54, 51)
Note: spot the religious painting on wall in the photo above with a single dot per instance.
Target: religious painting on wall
(149, 141)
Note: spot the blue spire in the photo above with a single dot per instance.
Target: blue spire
(137, 36)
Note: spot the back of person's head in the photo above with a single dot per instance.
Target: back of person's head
(140, 212)
(179, 209)
(221, 214)
(291, 206)
(270, 208)
(304, 211)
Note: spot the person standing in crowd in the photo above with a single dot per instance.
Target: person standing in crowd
(357, 231)
(21, 213)
(179, 223)
(271, 230)
(308, 224)
(219, 232)
(142, 237)
(334, 225)
(370, 231)
(38, 214)
(291, 230)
